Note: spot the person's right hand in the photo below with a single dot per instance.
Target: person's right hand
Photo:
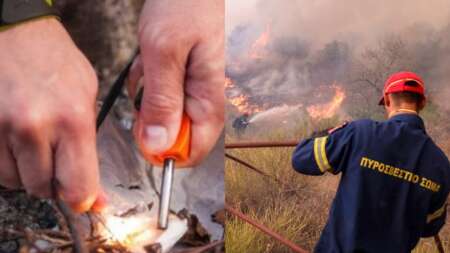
(47, 115)
(181, 64)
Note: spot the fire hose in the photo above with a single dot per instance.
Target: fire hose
(268, 144)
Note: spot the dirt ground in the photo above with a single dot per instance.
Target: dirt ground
(19, 211)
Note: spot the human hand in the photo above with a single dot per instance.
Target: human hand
(182, 65)
(47, 115)
(332, 130)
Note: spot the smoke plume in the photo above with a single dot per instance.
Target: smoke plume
(294, 51)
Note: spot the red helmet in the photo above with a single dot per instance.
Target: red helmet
(403, 81)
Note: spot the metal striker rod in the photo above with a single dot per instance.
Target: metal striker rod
(166, 192)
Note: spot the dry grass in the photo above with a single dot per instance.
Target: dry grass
(297, 209)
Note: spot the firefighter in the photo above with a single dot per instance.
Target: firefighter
(241, 123)
(394, 179)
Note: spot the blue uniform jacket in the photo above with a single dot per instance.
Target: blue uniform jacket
(393, 188)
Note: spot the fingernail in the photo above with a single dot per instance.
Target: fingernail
(154, 138)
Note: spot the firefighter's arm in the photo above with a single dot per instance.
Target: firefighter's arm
(437, 212)
(435, 221)
(315, 156)
(302, 160)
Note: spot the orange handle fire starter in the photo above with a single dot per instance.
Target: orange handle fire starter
(179, 152)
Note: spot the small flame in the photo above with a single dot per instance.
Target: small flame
(242, 105)
(128, 231)
(240, 102)
(327, 110)
(258, 48)
(229, 84)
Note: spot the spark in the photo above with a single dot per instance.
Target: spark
(128, 231)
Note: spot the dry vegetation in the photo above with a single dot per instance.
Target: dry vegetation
(297, 209)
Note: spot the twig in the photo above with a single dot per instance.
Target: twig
(47, 238)
(206, 247)
(54, 233)
(61, 242)
(93, 227)
(78, 244)
(62, 223)
(11, 232)
(5, 190)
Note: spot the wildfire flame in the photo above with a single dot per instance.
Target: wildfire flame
(257, 51)
(328, 110)
(242, 105)
(240, 101)
(258, 48)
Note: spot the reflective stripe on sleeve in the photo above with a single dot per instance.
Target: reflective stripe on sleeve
(320, 154)
(437, 213)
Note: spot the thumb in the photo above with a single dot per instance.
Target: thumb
(162, 101)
